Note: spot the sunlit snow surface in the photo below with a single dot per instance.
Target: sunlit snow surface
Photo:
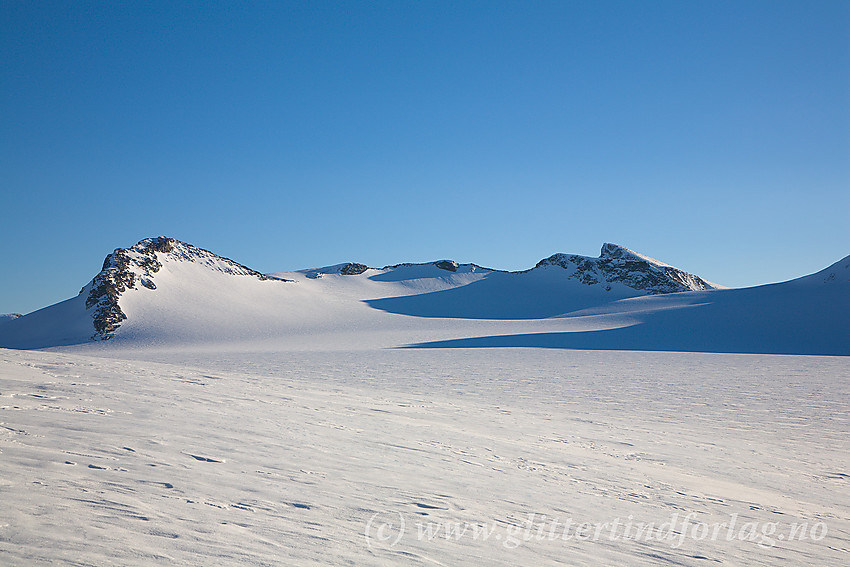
(140, 457)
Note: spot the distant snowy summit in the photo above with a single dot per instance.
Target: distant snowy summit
(126, 268)
(616, 264)
(137, 267)
(166, 291)
(355, 268)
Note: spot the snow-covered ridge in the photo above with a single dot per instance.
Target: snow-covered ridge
(615, 264)
(167, 292)
(355, 268)
(345, 269)
(125, 267)
(9, 317)
(136, 267)
(837, 273)
(448, 265)
(619, 264)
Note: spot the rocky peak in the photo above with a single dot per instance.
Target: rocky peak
(617, 252)
(127, 267)
(621, 265)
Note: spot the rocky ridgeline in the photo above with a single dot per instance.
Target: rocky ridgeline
(615, 264)
(355, 269)
(127, 267)
(448, 265)
(618, 264)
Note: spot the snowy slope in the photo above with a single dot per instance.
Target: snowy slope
(279, 459)
(838, 274)
(165, 292)
(808, 315)
(8, 317)
(195, 280)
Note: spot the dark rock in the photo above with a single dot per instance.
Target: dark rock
(353, 269)
(618, 264)
(449, 265)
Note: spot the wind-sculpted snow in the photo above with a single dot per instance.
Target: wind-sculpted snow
(198, 457)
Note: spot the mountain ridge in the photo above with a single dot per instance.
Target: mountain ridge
(126, 266)
(619, 264)
(165, 290)
(615, 263)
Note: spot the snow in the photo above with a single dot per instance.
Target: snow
(615, 250)
(238, 420)
(836, 274)
(199, 457)
(425, 306)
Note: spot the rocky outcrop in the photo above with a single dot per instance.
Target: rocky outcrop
(621, 265)
(353, 269)
(127, 267)
(449, 265)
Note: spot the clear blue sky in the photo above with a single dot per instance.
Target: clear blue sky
(285, 135)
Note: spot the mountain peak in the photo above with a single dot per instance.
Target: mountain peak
(618, 264)
(617, 252)
(125, 267)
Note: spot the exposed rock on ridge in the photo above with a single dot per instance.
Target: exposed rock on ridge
(138, 266)
(619, 264)
(353, 269)
(126, 267)
(448, 265)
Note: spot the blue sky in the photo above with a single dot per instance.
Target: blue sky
(712, 135)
